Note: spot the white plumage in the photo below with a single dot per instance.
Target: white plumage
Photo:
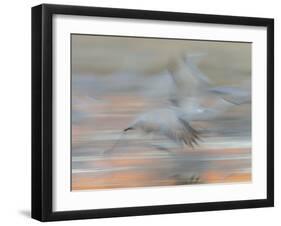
(191, 99)
(169, 122)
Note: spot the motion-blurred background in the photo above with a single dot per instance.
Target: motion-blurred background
(114, 79)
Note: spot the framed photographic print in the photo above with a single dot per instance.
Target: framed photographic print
(145, 112)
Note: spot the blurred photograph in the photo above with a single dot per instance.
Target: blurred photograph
(151, 112)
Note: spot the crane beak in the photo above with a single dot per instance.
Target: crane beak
(129, 128)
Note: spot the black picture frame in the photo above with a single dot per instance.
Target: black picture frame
(42, 106)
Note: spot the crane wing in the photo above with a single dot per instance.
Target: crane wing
(187, 77)
(191, 85)
(233, 95)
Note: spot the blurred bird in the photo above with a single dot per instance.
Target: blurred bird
(194, 94)
(191, 99)
(169, 122)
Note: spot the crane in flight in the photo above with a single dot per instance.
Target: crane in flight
(192, 98)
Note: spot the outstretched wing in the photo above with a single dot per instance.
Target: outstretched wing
(193, 94)
(184, 133)
(233, 95)
(188, 79)
(178, 128)
(191, 85)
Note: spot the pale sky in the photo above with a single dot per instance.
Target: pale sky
(101, 55)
